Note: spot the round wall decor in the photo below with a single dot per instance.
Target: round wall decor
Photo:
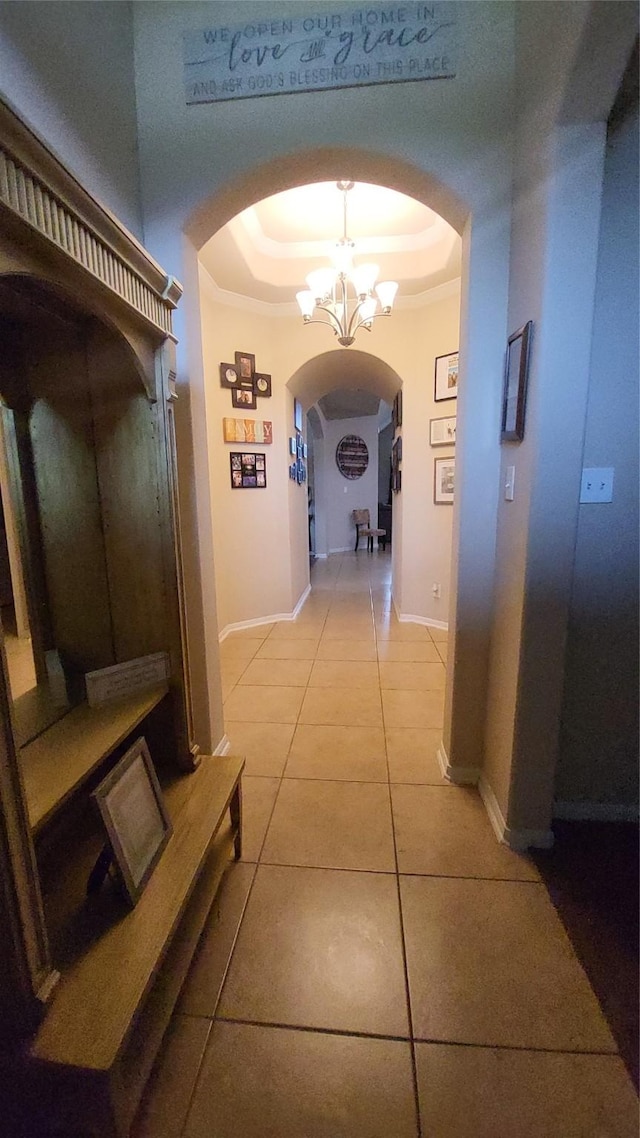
(352, 456)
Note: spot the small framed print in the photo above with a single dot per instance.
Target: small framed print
(245, 366)
(442, 432)
(446, 377)
(229, 375)
(262, 384)
(245, 398)
(292, 445)
(248, 470)
(516, 373)
(444, 477)
(396, 413)
(297, 415)
(135, 818)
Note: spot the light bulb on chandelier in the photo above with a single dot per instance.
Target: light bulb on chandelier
(328, 290)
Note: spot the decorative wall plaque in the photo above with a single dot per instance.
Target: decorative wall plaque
(352, 456)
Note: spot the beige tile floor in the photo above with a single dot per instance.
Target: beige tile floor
(377, 966)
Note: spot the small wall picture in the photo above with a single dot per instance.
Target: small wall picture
(444, 477)
(446, 377)
(245, 366)
(262, 384)
(248, 470)
(292, 445)
(516, 373)
(229, 376)
(297, 415)
(244, 398)
(442, 432)
(396, 412)
(247, 431)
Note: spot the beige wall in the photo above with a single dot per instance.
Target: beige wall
(261, 537)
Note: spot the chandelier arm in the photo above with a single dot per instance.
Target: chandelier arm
(353, 326)
(365, 323)
(332, 322)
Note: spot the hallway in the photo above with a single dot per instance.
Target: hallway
(393, 970)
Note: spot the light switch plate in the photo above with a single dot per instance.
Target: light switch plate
(509, 483)
(597, 484)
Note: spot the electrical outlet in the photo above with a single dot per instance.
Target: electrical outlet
(597, 484)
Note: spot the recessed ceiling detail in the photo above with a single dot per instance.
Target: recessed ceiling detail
(265, 252)
(348, 404)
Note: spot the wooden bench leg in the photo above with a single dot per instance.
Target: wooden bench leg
(235, 809)
(357, 539)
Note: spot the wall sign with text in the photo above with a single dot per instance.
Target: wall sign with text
(321, 49)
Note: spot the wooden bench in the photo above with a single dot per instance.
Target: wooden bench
(92, 1055)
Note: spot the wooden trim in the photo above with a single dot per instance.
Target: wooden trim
(36, 188)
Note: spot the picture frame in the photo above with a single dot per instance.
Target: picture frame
(446, 377)
(245, 366)
(135, 818)
(516, 374)
(244, 398)
(297, 415)
(442, 432)
(444, 471)
(292, 444)
(262, 384)
(247, 431)
(248, 470)
(229, 376)
(396, 415)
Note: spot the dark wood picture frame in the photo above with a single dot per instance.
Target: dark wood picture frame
(262, 384)
(244, 398)
(443, 387)
(248, 470)
(134, 817)
(246, 366)
(229, 376)
(516, 374)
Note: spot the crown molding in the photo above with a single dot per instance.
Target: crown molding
(266, 308)
(249, 234)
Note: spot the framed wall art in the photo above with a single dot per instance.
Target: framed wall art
(444, 477)
(297, 415)
(134, 817)
(262, 384)
(246, 366)
(352, 456)
(516, 373)
(247, 431)
(442, 432)
(244, 398)
(396, 411)
(229, 376)
(446, 377)
(248, 470)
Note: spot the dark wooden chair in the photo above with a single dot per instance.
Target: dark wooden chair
(362, 521)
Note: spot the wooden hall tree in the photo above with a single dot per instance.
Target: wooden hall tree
(87, 473)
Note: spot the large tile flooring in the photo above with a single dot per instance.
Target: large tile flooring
(377, 966)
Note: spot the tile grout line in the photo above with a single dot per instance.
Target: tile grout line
(414, 1066)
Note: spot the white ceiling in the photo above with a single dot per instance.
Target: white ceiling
(266, 251)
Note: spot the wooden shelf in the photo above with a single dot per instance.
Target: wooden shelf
(102, 993)
(65, 756)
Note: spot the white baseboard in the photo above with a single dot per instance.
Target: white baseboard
(515, 839)
(428, 621)
(460, 776)
(596, 811)
(405, 617)
(239, 625)
(224, 746)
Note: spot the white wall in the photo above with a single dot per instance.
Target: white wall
(343, 495)
(67, 68)
(597, 773)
